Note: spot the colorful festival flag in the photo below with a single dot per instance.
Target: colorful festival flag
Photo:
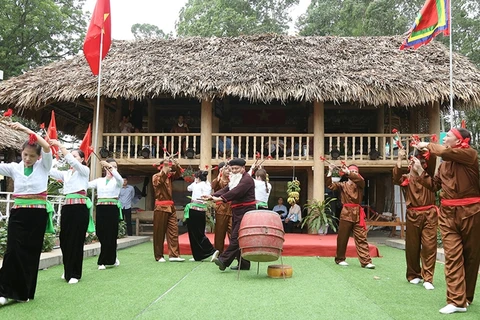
(86, 142)
(101, 22)
(432, 20)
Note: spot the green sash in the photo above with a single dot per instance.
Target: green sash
(186, 211)
(35, 202)
(262, 205)
(119, 205)
(89, 204)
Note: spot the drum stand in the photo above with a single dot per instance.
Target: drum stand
(258, 265)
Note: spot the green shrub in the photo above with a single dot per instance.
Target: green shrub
(122, 229)
(439, 239)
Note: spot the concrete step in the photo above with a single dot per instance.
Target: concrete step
(54, 257)
(400, 244)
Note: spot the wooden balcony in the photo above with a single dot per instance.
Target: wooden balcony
(278, 149)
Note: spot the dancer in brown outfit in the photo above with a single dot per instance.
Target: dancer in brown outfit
(164, 214)
(422, 221)
(223, 211)
(352, 217)
(458, 179)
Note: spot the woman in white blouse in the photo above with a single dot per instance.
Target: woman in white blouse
(262, 187)
(294, 216)
(195, 216)
(29, 217)
(75, 214)
(109, 211)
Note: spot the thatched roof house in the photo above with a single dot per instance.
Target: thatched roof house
(362, 70)
(11, 139)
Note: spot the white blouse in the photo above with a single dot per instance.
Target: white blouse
(199, 189)
(262, 193)
(36, 182)
(73, 180)
(107, 188)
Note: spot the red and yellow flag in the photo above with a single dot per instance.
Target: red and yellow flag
(101, 22)
(432, 20)
(86, 142)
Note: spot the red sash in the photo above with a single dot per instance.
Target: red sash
(459, 202)
(362, 222)
(424, 208)
(166, 203)
(243, 204)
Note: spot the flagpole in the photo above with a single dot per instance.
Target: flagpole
(451, 61)
(97, 112)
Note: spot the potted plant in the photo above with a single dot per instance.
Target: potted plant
(319, 215)
(336, 176)
(188, 175)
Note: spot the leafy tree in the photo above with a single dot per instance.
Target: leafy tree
(37, 32)
(148, 31)
(234, 17)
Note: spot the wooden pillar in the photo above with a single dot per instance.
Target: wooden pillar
(381, 120)
(318, 150)
(118, 114)
(434, 119)
(206, 134)
(310, 183)
(96, 169)
(151, 116)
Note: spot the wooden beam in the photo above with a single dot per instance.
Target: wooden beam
(206, 137)
(318, 150)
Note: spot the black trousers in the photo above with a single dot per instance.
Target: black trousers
(127, 217)
(199, 243)
(107, 232)
(73, 227)
(18, 276)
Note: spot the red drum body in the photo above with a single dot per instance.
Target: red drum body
(261, 236)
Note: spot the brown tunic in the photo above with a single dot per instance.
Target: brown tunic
(351, 191)
(421, 236)
(458, 177)
(164, 216)
(223, 217)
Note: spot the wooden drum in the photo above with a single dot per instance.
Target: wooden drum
(279, 271)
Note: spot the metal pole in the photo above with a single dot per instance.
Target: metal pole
(451, 62)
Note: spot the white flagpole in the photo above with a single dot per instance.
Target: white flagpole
(451, 62)
(97, 112)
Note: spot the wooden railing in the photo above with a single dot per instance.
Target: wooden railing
(251, 146)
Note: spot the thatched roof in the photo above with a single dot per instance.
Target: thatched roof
(364, 70)
(11, 139)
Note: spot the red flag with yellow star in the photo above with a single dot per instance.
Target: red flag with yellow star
(101, 22)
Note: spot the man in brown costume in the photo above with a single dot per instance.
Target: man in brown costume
(422, 221)
(459, 220)
(164, 214)
(223, 211)
(352, 217)
(241, 192)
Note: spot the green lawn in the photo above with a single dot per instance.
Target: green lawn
(141, 288)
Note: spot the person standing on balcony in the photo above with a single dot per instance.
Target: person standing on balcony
(165, 215)
(223, 210)
(241, 192)
(179, 127)
(29, 218)
(109, 212)
(352, 217)
(195, 215)
(459, 220)
(262, 187)
(127, 194)
(76, 213)
(422, 221)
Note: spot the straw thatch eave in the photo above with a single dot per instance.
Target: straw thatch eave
(362, 70)
(11, 139)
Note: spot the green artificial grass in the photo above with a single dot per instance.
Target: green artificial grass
(141, 288)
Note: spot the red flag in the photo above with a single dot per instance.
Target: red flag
(86, 142)
(52, 133)
(432, 20)
(464, 124)
(101, 22)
